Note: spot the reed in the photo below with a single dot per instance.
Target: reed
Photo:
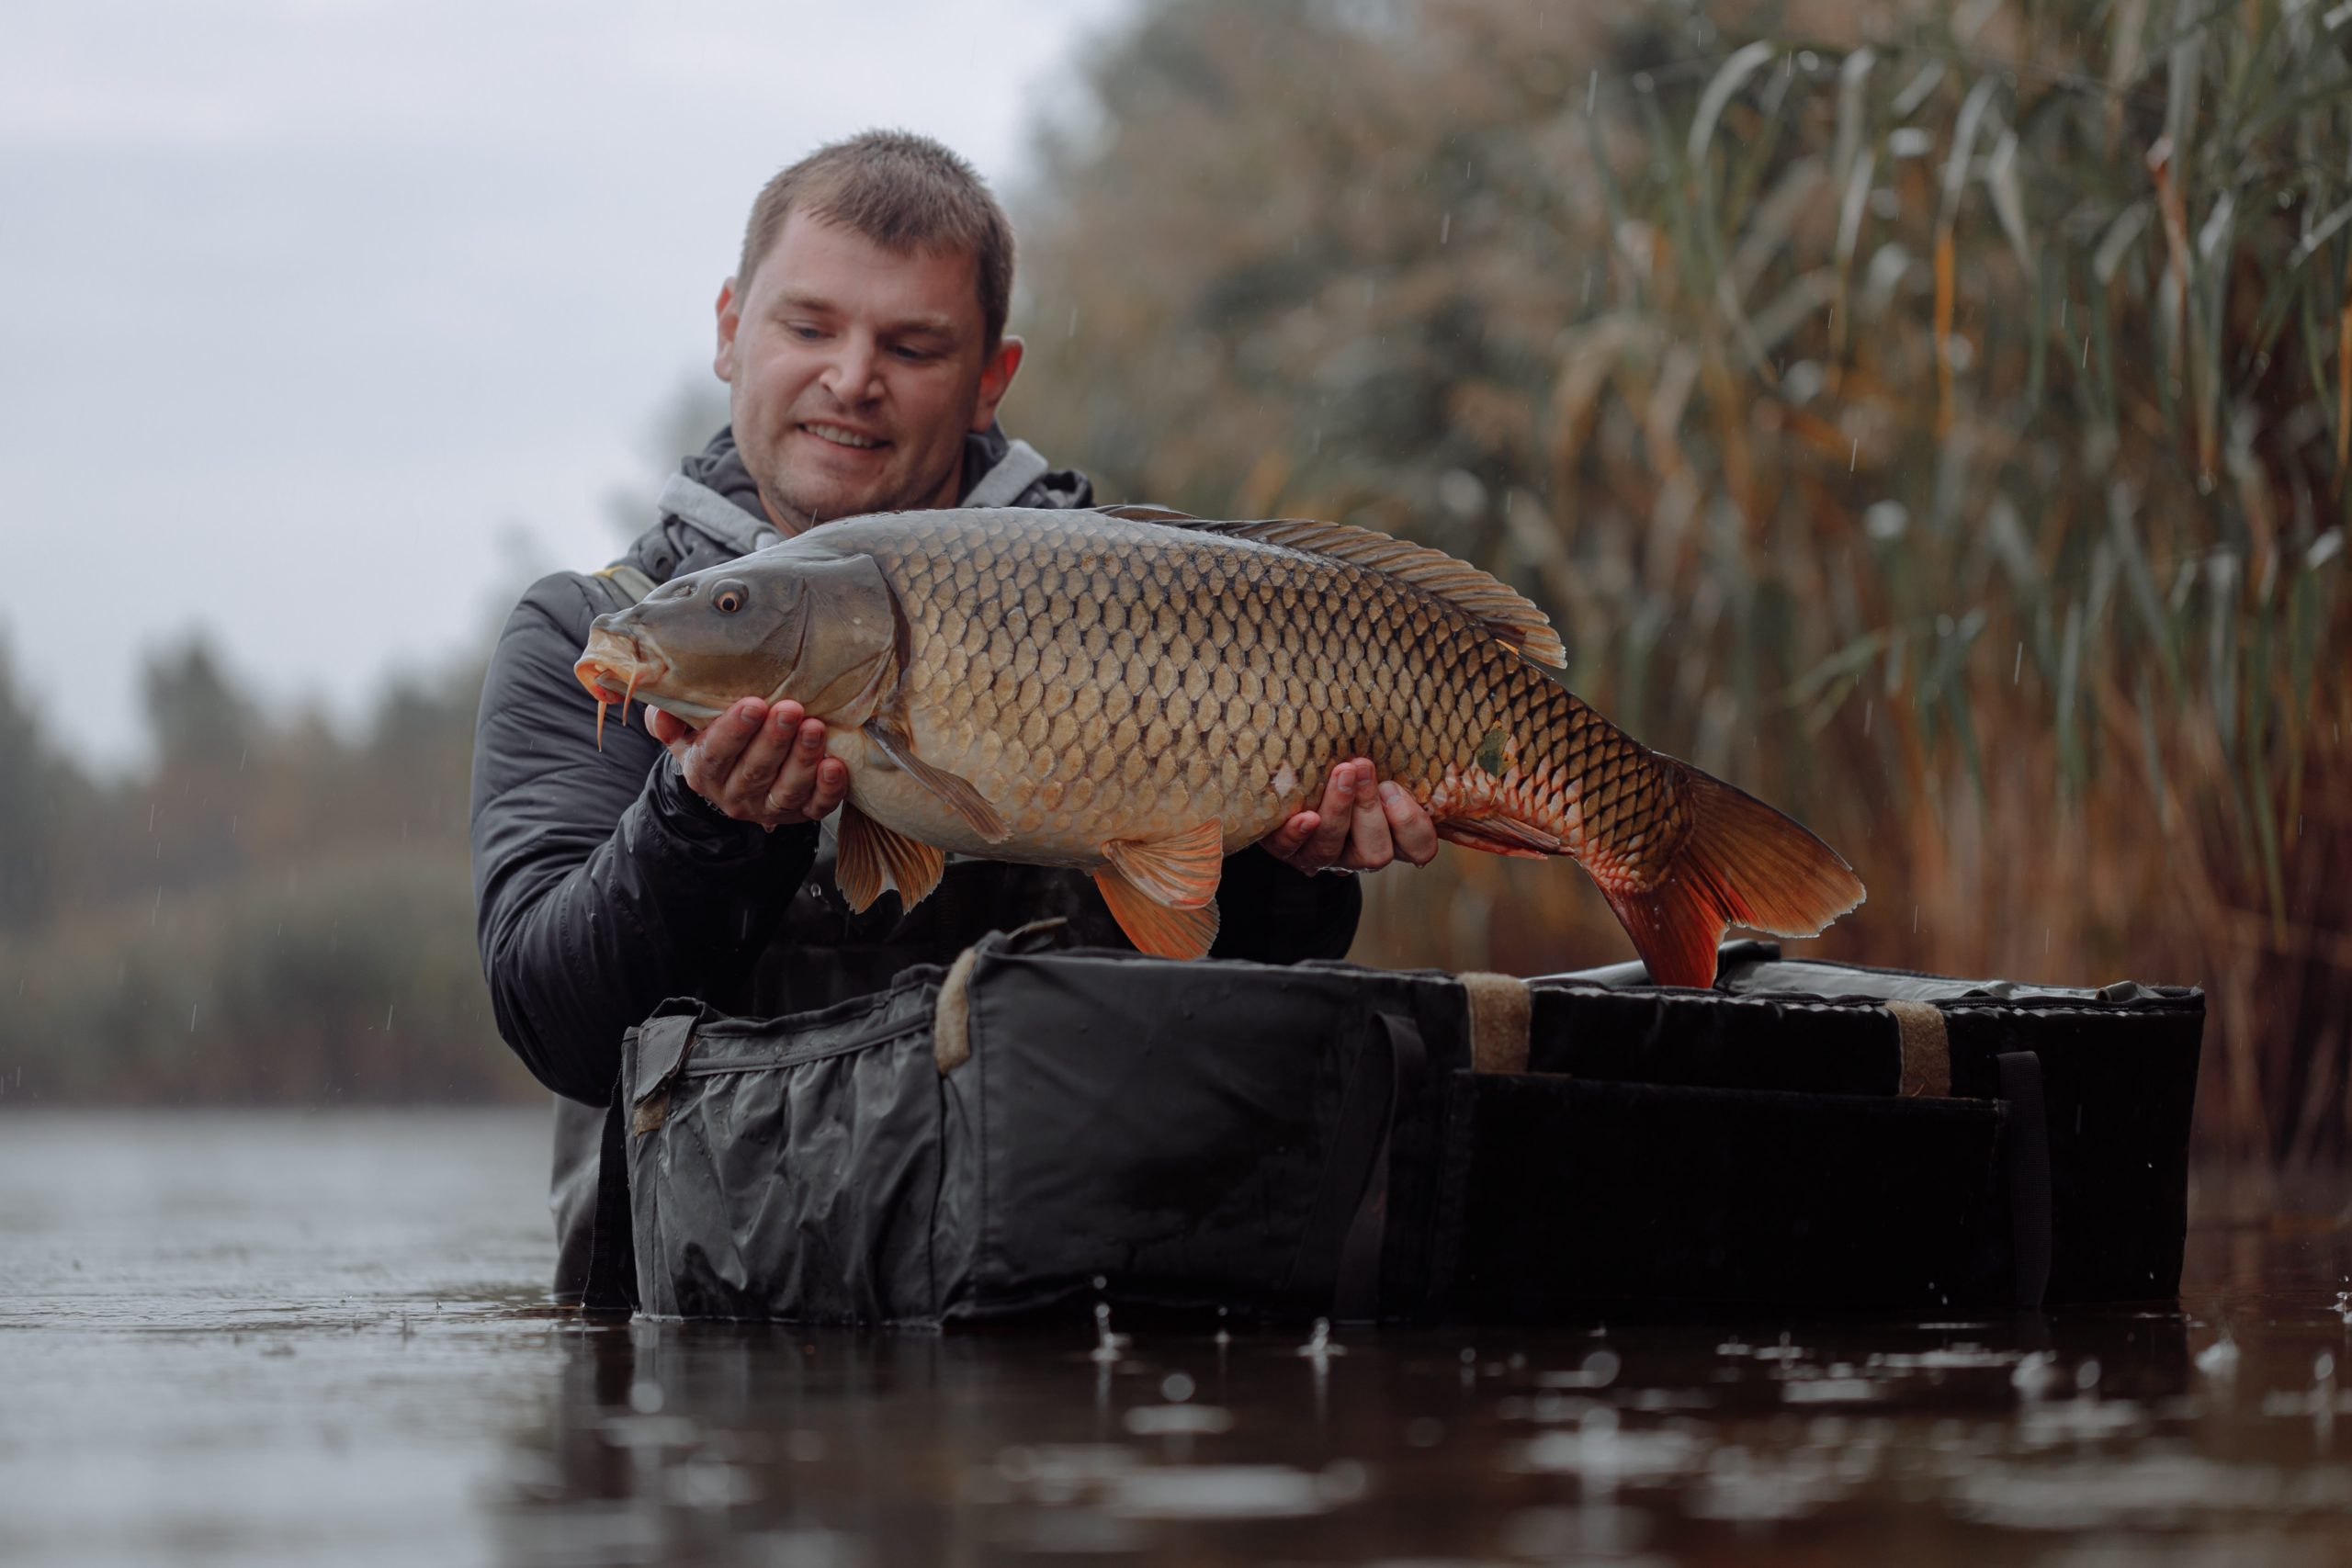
(1936, 421)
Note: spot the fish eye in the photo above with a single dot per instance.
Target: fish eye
(728, 597)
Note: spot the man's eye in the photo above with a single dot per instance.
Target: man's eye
(804, 331)
(911, 353)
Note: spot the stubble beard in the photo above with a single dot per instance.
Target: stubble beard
(797, 515)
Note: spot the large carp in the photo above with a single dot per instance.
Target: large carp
(1137, 693)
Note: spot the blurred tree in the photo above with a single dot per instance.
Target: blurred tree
(34, 786)
(204, 732)
(194, 716)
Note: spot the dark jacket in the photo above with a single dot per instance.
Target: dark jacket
(602, 884)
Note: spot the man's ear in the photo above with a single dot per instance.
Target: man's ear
(996, 379)
(730, 317)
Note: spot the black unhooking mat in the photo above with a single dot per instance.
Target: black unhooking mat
(1036, 1129)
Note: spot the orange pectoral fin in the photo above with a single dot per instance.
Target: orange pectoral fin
(955, 792)
(1180, 871)
(1154, 927)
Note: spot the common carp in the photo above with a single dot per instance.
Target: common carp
(1137, 693)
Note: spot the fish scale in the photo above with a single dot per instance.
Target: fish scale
(1114, 690)
(1126, 633)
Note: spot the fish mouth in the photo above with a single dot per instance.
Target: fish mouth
(618, 666)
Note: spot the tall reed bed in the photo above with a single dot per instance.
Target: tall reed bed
(1935, 421)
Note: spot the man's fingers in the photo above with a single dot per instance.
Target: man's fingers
(1329, 840)
(1284, 842)
(795, 782)
(1409, 827)
(709, 758)
(833, 788)
(667, 727)
(1368, 844)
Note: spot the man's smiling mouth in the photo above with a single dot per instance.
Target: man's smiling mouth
(841, 437)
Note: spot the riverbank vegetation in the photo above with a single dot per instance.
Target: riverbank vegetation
(1933, 417)
(272, 911)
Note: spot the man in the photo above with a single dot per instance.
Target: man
(863, 342)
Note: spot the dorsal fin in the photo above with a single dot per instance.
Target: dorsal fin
(1501, 609)
(1145, 512)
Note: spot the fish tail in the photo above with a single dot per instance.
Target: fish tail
(1739, 864)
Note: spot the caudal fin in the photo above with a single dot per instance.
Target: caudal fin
(1742, 863)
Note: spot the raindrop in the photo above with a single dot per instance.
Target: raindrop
(1176, 1388)
(1444, 227)
(1591, 91)
(1318, 1345)
(1855, 455)
(645, 1396)
(2016, 667)
(2086, 351)
(2087, 1375)
(1107, 1345)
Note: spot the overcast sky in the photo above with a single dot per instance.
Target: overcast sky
(321, 319)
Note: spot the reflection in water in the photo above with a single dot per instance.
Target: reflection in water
(1667, 1441)
(308, 1339)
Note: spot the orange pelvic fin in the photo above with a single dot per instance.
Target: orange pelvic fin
(1154, 927)
(1501, 836)
(1742, 863)
(1181, 870)
(868, 851)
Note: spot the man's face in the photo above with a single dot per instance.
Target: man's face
(856, 373)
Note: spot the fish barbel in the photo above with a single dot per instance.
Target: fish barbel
(1138, 694)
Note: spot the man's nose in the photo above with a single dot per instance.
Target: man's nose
(850, 376)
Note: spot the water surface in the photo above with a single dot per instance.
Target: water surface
(320, 1338)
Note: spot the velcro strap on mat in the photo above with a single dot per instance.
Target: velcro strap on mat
(1927, 1051)
(1500, 1009)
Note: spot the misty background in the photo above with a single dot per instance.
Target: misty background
(1933, 418)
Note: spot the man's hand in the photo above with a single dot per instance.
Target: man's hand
(755, 762)
(1358, 828)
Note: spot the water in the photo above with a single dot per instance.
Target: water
(318, 1338)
